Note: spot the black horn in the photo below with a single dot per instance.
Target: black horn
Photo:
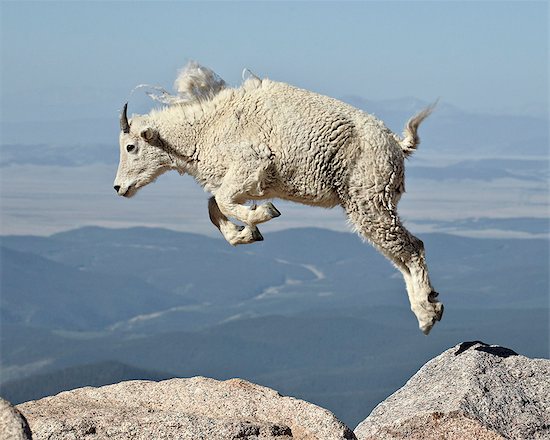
(124, 125)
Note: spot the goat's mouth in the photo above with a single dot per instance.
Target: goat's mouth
(130, 191)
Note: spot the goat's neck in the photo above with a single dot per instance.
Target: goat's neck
(179, 132)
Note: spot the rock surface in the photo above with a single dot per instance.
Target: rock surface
(184, 409)
(472, 391)
(13, 425)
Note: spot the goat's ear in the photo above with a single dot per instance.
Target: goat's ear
(150, 135)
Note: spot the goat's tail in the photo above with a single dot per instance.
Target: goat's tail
(410, 136)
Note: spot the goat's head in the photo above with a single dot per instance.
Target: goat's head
(142, 155)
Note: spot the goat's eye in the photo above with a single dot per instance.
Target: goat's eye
(130, 148)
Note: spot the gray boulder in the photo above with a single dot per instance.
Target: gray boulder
(13, 425)
(184, 409)
(472, 391)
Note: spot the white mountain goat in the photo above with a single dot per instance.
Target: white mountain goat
(268, 140)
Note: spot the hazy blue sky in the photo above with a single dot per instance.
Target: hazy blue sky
(67, 60)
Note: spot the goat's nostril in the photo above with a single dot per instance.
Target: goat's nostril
(117, 187)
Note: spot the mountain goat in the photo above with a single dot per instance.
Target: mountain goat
(267, 140)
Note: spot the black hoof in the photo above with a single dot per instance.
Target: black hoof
(440, 314)
(274, 212)
(256, 235)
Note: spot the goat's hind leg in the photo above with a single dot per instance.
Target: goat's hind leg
(233, 233)
(382, 227)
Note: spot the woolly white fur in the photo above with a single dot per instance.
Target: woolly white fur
(268, 140)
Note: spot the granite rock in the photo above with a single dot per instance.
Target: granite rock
(13, 425)
(471, 391)
(185, 409)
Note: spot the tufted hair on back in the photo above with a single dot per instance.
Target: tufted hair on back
(195, 84)
(198, 83)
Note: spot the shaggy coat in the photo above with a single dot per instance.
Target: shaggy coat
(267, 140)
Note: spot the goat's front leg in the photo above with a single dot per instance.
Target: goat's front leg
(233, 233)
(229, 198)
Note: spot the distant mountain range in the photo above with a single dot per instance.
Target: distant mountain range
(452, 131)
(93, 278)
(313, 313)
(40, 292)
(484, 170)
